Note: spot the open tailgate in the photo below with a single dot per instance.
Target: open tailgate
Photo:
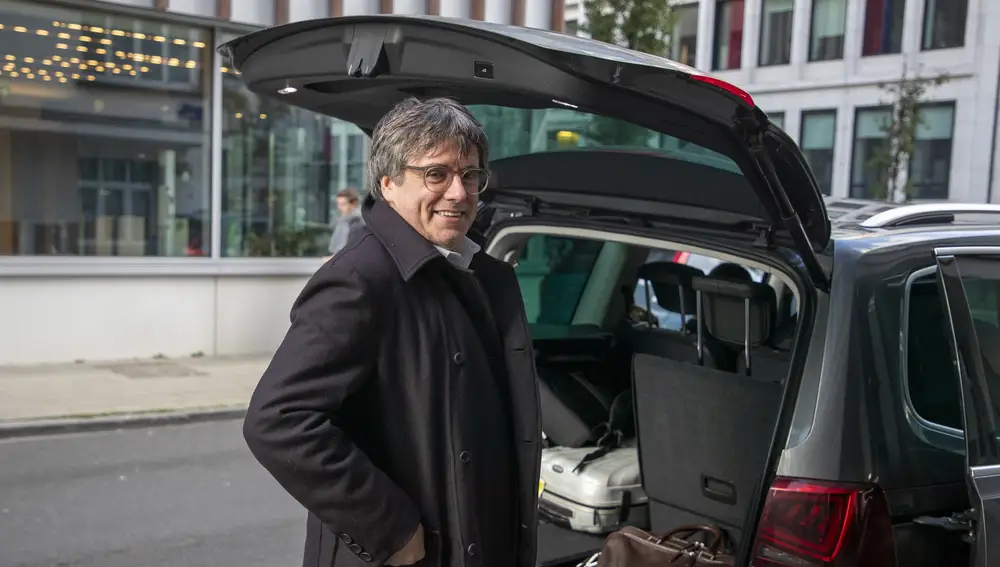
(357, 68)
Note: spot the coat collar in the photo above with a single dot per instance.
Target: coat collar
(408, 249)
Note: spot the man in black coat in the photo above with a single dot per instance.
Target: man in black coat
(401, 409)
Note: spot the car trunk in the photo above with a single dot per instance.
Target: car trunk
(686, 150)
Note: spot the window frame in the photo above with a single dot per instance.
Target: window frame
(716, 24)
(864, 28)
(858, 110)
(833, 148)
(696, 6)
(953, 105)
(812, 34)
(935, 434)
(761, 44)
(924, 27)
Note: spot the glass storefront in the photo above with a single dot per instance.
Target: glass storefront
(104, 134)
(282, 168)
(106, 145)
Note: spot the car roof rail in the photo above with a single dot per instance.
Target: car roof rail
(929, 213)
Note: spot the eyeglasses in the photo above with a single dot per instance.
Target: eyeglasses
(438, 178)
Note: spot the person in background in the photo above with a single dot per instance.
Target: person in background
(401, 408)
(350, 220)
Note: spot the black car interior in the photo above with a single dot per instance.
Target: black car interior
(705, 395)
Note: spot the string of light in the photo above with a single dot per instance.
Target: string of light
(81, 61)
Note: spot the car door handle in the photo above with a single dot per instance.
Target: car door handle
(959, 522)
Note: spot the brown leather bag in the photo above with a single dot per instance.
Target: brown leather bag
(686, 546)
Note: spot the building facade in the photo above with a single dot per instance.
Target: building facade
(149, 203)
(816, 67)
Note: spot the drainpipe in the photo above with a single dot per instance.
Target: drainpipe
(993, 142)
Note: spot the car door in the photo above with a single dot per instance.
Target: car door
(969, 279)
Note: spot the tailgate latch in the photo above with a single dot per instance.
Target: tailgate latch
(367, 55)
(765, 235)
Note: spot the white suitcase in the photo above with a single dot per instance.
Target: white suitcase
(606, 495)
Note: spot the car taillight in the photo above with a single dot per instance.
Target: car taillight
(814, 523)
(681, 257)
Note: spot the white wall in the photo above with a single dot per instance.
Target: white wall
(193, 7)
(457, 8)
(59, 319)
(305, 10)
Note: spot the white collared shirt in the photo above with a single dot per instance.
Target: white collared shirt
(461, 255)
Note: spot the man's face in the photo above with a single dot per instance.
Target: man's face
(443, 216)
(345, 206)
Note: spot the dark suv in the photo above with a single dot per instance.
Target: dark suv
(814, 410)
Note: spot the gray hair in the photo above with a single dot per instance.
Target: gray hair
(414, 128)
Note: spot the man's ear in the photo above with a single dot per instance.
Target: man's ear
(387, 187)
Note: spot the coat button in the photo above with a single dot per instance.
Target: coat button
(459, 358)
(366, 557)
(472, 549)
(346, 539)
(465, 456)
(355, 548)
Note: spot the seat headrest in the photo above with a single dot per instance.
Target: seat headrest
(731, 271)
(671, 282)
(724, 303)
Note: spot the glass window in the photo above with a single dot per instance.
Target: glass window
(944, 23)
(552, 272)
(883, 32)
(868, 137)
(684, 38)
(572, 27)
(777, 118)
(776, 32)
(828, 24)
(819, 133)
(930, 165)
(282, 168)
(518, 131)
(981, 283)
(930, 376)
(728, 35)
(104, 134)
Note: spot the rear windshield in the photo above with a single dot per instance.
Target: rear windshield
(520, 131)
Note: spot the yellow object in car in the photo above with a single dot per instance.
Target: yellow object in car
(541, 487)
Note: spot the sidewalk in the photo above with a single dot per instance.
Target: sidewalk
(111, 390)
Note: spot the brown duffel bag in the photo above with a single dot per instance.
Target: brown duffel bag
(687, 546)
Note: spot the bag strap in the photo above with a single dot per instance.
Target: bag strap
(610, 440)
(713, 547)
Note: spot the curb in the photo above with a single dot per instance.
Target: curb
(35, 427)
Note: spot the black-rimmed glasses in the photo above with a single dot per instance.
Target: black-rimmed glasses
(437, 178)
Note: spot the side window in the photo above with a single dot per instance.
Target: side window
(981, 281)
(553, 272)
(930, 377)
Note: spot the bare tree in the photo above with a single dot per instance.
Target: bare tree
(890, 163)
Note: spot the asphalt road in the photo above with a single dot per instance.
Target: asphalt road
(170, 496)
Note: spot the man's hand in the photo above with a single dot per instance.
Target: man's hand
(412, 552)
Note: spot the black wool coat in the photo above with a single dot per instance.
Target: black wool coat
(383, 407)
